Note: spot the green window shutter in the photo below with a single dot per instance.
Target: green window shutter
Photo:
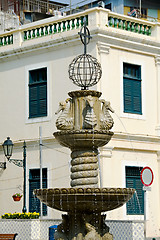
(34, 183)
(135, 206)
(38, 93)
(42, 99)
(33, 101)
(132, 89)
(34, 203)
(127, 95)
(137, 106)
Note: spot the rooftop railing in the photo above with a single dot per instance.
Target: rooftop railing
(96, 18)
(61, 25)
(129, 23)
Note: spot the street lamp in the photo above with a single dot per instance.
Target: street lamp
(7, 148)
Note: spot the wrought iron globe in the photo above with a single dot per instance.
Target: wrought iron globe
(85, 71)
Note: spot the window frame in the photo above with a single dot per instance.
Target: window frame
(136, 180)
(130, 163)
(35, 88)
(135, 82)
(143, 104)
(45, 185)
(49, 87)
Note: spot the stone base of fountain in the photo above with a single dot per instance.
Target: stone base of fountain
(84, 207)
(83, 226)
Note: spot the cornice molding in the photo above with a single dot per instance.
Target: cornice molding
(105, 38)
(47, 43)
(103, 48)
(135, 142)
(128, 41)
(136, 137)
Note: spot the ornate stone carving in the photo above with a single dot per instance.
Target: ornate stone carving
(106, 121)
(65, 120)
(88, 228)
(92, 234)
(90, 119)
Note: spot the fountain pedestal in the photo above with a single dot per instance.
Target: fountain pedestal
(84, 125)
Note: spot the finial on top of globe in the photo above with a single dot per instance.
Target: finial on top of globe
(85, 71)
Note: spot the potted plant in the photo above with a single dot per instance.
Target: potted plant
(17, 196)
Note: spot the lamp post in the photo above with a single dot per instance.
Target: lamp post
(8, 148)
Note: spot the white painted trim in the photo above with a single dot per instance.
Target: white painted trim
(127, 163)
(49, 87)
(130, 115)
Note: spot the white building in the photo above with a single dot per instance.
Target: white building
(34, 63)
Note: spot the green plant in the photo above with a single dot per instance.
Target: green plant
(17, 195)
(15, 215)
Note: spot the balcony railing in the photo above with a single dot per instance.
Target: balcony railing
(96, 18)
(6, 40)
(55, 27)
(129, 24)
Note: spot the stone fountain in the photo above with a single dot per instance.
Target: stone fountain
(84, 125)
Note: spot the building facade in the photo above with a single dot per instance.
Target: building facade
(34, 62)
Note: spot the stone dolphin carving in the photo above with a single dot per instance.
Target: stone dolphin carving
(65, 120)
(106, 121)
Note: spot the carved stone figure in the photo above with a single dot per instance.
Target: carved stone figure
(90, 230)
(106, 121)
(90, 120)
(92, 234)
(65, 120)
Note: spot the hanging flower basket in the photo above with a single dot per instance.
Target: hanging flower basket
(17, 197)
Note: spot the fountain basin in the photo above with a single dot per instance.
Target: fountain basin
(88, 200)
(82, 139)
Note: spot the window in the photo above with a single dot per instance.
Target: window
(34, 183)
(38, 93)
(132, 88)
(135, 205)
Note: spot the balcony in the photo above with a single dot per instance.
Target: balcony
(100, 21)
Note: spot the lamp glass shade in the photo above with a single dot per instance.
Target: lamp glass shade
(8, 147)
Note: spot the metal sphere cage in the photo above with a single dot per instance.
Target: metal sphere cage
(85, 71)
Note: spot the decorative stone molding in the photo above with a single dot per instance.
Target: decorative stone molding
(157, 60)
(158, 156)
(157, 129)
(103, 48)
(106, 152)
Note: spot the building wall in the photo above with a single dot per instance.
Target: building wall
(135, 141)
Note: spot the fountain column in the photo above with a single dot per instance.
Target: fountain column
(84, 170)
